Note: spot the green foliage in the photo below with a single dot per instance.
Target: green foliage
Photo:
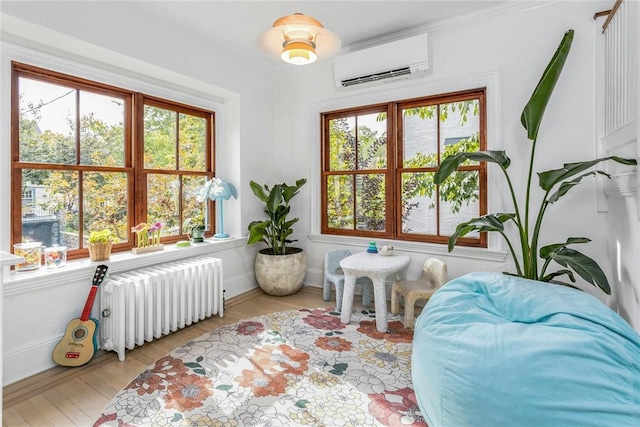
(276, 229)
(527, 262)
(458, 189)
(102, 236)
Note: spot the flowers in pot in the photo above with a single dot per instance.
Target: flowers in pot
(100, 242)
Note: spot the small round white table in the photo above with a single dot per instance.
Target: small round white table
(377, 267)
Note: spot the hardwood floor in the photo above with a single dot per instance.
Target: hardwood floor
(64, 396)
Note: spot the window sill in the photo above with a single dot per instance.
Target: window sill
(19, 282)
(416, 247)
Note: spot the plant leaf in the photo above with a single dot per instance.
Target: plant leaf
(547, 250)
(257, 230)
(291, 190)
(258, 191)
(548, 179)
(568, 185)
(451, 163)
(586, 267)
(490, 222)
(275, 197)
(550, 276)
(534, 110)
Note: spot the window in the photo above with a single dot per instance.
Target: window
(94, 156)
(378, 165)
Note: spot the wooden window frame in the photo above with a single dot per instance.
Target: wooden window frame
(133, 152)
(393, 173)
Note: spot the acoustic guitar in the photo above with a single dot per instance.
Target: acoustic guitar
(79, 344)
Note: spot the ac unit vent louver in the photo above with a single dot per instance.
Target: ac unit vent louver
(398, 60)
(377, 76)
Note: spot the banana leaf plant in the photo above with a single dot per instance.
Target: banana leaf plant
(555, 184)
(276, 229)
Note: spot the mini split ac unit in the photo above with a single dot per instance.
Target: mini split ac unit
(398, 60)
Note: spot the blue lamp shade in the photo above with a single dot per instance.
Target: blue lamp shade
(228, 191)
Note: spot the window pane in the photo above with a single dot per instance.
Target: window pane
(459, 201)
(159, 138)
(370, 202)
(191, 207)
(459, 127)
(101, 130)
(50, 207)
(372, 141)
(420, 137)
(47, 115)
(418, 203)
(192, 142)
(106, 203)
(163, 202)
(342, 144)
(340, 202)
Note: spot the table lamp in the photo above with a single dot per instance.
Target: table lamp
(228, 190)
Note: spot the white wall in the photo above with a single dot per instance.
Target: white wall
(507, 52)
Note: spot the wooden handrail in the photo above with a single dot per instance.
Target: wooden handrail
(609, 14)
(601, 13)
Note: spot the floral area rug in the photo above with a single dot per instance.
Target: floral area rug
(292, 368)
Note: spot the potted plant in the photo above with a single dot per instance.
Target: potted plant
(554, 183)
(279, 268)
(195, 228)
(100, 242)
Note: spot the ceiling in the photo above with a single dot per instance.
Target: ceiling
(353, 21)
(239, 24)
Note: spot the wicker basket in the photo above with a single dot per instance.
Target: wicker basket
(100, 251)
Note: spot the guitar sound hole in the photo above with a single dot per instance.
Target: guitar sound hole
(79, 334)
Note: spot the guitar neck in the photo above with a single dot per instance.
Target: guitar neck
(86, 313)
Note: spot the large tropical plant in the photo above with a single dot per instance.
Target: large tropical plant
(276, 229)
(555, 184)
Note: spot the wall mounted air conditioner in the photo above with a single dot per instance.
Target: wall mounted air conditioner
(398, 60)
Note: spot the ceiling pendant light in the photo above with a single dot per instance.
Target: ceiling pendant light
(299, 39)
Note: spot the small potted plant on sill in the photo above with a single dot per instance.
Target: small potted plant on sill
(100, 242)
(195, 228)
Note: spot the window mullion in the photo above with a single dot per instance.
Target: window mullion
(140, 176)
(394, 157)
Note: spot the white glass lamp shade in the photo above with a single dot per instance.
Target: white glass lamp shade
(299, 53)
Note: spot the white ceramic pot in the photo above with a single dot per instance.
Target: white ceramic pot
(281, 275)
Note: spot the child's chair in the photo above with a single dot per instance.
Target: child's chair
(434, 275)
(334, 274)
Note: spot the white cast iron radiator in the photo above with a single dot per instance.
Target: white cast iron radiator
(144, 304)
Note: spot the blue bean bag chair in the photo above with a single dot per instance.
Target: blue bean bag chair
(500, 351)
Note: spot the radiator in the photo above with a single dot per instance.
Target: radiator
(144, 304)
